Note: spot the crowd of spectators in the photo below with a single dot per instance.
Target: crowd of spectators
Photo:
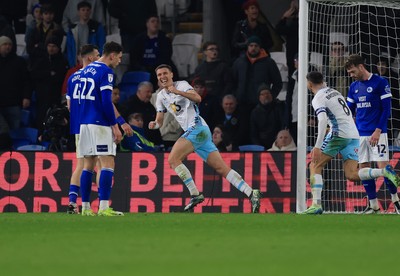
(239, 96)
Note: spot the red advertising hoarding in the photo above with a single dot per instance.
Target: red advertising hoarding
(144, 182)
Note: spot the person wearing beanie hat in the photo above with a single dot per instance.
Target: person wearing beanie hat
(5, 39)
(254, 39)
(266, 119)
(244, 29)
(34, 17)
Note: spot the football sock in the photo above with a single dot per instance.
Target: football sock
(370, 189)
(105, 183)
(368, 173)
(184, 174)
(103, 205)
(73, 193)
(236, 180)
(86, 187)
(316, 188)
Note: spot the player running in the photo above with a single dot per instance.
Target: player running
(180, 99)
(331, 108)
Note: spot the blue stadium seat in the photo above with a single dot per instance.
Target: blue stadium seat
(251, 148)
(130, 81)
(23, 136)
(32, 148)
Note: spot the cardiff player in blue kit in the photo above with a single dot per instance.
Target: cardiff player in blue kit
(99, 131)
(369, 98)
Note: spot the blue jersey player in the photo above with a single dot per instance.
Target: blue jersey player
(369, 98)
(99, 131)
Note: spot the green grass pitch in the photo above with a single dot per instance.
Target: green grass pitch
(198, 244)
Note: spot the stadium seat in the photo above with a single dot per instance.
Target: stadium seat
(185, 48)
(32, 148)
(316, 59)
(251, 148)
(23, 136)
(130, 81)
(114, 37)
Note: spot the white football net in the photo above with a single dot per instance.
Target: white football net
(335, 30)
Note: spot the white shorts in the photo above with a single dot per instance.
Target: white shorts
(78, 153)
(367, 153)
(96, 140)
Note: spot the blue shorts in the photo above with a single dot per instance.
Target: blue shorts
(347, 147)
(200, 137)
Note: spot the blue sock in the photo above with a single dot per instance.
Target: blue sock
(106, 176)
(370, 188)
(86, 185)
(392, 189)
(73, 193)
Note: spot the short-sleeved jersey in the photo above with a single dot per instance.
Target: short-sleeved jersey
(96, 88)
(184, 110)
(340, 118)
(367, 97)
(73, 94)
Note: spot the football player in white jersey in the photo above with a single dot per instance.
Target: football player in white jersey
(180, 99)
(331, 108)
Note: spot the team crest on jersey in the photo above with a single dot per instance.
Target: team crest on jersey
(369, 89)
(355, 92)
(110, 77)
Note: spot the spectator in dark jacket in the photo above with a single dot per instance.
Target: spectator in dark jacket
(266, 119)
(253, 69)
(150, 49)
(36, 38)
(48, 74)
(215, 72)
(15, 89)
(251, 26)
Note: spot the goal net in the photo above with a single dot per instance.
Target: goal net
(336, 30)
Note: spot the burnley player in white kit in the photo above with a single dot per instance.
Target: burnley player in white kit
(331, 108)
(180, 99)
(369, 98)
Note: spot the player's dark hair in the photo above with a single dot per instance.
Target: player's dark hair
(163, 66)
(87, 49)
(84, 4)
(354, 60)
(111, 47)
(315, 77)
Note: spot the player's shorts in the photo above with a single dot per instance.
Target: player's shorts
(96, 140)
(200, 137)
(347, 147)
(78, 153)
(380, 152)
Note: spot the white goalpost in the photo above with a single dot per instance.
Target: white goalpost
(329, 32)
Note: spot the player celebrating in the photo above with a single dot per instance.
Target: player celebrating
(180, 99)
(369, 98)
(331, 108)
(99, 131)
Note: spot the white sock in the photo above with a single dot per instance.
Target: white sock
(184, 174)
(373, 203)
(85, 206)
(316, 188)
(103, 205)
(236, 180)
(368, 173)
(395, 197)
